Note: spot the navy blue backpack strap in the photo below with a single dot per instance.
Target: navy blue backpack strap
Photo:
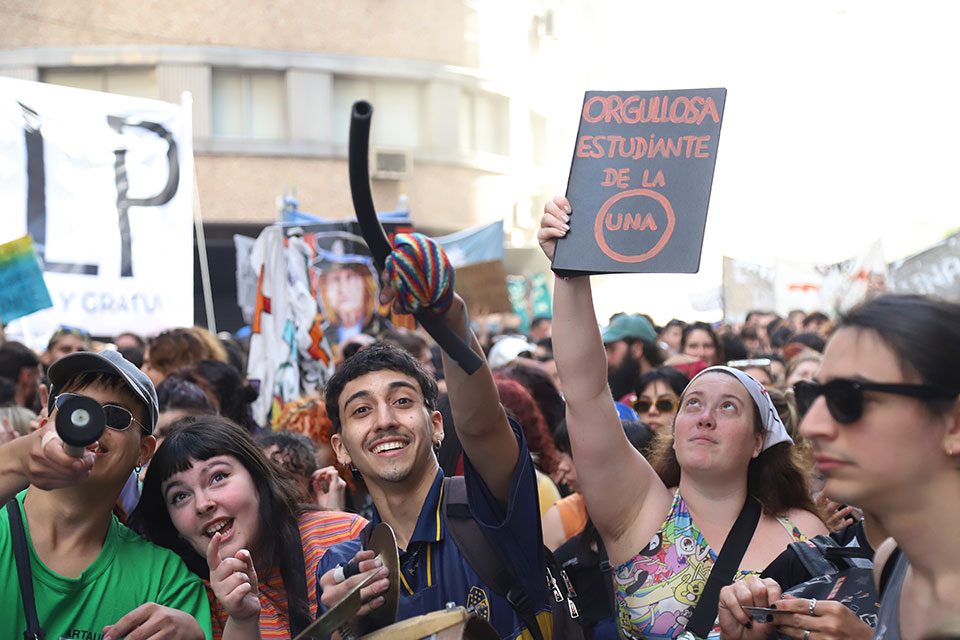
(22, 554)
(483, 555)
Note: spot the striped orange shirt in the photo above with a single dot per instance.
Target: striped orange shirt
(319, 530)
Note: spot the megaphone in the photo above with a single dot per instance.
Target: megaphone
(80, 423)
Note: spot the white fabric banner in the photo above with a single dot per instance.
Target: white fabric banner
(831, 288)
(104, 185)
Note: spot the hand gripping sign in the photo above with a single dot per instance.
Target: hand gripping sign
(376, 239)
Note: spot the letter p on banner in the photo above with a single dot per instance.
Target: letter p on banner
(104, 185)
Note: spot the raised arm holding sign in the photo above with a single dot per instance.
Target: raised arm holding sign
(720, 494)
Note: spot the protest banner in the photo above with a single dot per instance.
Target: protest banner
(640, 181)
(934, 271)
(104, 185)
(316, 287)
(22, 289)
(483, 286)
(831, 288)
(746, 287)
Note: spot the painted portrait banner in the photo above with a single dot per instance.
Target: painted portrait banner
(104, 185)
(640, 181)
(315, 288)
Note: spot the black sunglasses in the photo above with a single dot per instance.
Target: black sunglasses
(664, 404)
(845, 397)
(115, 417)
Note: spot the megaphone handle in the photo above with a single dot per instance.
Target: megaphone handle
(73, 450)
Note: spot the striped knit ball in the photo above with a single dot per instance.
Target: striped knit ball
(420, 273)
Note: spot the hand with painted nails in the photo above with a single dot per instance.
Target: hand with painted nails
(735, 622)
(554, 225)
(234, 583)
(371, 595)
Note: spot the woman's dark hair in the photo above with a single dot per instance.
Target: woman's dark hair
(226, 384)
(379, 357)
(922, 331)
(295, 454)
(176, 393)
(733, 347)
(278, 544)
(541, 387)
(781, 336)
(236, 355)
(813, 340)
(703, 326)
(673, 378)
(776, 477)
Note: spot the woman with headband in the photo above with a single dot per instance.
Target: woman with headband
(722, 494)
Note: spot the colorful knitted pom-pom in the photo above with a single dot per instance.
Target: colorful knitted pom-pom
(420, 273)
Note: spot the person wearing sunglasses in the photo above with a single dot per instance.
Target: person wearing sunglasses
(883, 414)
(665, 523)
(658, 392)
(91, 576)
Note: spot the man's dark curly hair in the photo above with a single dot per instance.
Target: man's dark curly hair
(379, 357)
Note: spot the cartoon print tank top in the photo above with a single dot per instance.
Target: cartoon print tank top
(658, 589)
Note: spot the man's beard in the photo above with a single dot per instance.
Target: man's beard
(623, 379)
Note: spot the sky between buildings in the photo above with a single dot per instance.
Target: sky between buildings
(840, 126)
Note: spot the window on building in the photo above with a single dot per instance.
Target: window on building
(398, 108)
(129, 81)
(484, 123)
(249, 104)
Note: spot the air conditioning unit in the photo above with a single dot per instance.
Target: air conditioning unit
(391, 164)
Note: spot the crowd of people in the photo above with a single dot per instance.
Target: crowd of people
(791, 475)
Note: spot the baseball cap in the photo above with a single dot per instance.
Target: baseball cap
(625, 326)
(508, 349)
(105, 362)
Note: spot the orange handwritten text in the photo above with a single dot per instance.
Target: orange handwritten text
(634, 109)
(616, 177)
(627, 221)
(637, 147)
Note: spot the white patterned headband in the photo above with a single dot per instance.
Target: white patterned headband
(774, 431)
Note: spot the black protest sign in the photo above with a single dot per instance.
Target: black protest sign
(640, 181)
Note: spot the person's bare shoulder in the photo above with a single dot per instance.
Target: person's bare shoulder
(809, 523)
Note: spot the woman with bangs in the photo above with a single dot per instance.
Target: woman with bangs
(213, 497)
(883, 417)
(665, 524)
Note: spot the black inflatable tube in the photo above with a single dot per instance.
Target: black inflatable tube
(376, 238)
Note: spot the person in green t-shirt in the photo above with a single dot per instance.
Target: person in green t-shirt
(93, 578)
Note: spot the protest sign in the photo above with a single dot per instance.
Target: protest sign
(483, 286)
(22, 290)
(104, 185)
(934, 271)
(746, 287)
(640, 181)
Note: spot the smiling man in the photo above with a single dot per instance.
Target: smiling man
(383, 405)
(91, 575)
